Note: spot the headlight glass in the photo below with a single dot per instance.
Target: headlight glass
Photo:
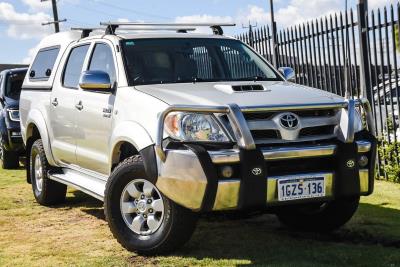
(194, 127)
(13, 114)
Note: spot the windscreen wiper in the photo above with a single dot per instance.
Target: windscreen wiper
(252, 78)
(191, 80)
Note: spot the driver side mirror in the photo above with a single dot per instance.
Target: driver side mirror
(95, 80)
(288, 73)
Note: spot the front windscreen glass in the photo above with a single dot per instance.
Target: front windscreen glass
(13, 85)
(181, 60)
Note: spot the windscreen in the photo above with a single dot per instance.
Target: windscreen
(181, 60)
(13, 85)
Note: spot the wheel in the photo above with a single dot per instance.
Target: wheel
(47, 192)
(319, 217)
(140, 217)
(9, 159)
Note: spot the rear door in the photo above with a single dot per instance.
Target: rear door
(94, 121)
(64, 106)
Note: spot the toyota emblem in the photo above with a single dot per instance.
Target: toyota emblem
(289, 121)
(256, 171)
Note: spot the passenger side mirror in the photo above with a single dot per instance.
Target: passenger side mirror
(288, 73)
(95, 80)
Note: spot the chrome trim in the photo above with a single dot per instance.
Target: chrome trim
(227, 195)
(182, 179)
(363, 146)
(369, 115)
(364, 181)
(289, 107)
(225, 156)
(95, 80)
(231, 156)
(272, 194)
(299, 152)
(351, 109)
(240, 128)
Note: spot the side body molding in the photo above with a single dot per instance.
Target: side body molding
(35, 117)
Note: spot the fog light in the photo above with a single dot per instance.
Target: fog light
(227, 171)
(363, 161)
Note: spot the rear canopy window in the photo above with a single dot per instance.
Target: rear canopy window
(43, 64)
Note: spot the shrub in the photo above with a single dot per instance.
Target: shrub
(390, 160)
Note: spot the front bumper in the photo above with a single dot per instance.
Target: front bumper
(191, 175)
(189, 180)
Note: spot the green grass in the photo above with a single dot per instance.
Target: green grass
(76, 234)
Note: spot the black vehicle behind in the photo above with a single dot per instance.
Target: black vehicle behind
(11, 145)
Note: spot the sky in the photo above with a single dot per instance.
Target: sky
(21, 29)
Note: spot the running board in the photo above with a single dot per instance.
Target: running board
(86, 183)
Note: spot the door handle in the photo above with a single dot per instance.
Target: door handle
(79, 106)
(54, 102)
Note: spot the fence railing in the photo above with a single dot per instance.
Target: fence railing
(320, 50)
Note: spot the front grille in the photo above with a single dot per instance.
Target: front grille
(319, 130)
(266, 134)
(300, 113)
(317, 124)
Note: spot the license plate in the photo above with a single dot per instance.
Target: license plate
(301, 188)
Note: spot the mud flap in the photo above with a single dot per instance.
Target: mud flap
(253, 186)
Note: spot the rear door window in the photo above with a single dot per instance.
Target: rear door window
(73, 69)
(43, 64)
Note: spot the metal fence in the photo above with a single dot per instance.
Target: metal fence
(318, 53)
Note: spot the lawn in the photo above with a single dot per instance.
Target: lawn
(76, 234)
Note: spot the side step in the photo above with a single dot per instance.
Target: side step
(84, 182)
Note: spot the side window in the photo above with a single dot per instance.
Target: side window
(102, 59)
(73, 69)
(43, 64)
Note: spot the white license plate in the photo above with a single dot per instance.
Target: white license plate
(301, 188)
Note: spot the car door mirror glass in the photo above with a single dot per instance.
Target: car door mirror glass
(95, 80)
(288, 73)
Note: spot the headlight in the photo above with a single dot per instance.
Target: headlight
(194, 127)
(358, 122)
(13, 114)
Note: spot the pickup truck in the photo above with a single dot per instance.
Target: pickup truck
(163, 124)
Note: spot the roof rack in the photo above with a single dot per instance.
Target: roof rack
(215, 27)
(87, 31)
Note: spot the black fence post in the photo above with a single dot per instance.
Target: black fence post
(365, 65)
(274, 35)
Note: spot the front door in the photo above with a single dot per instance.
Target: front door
(94, 121)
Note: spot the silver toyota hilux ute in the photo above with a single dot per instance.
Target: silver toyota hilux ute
(163, 125)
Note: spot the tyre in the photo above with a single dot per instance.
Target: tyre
(319, 217)
(9, 159)
(140, 217)
(47, 192)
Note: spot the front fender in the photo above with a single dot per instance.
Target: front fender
(35, 118)
(130, 132)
